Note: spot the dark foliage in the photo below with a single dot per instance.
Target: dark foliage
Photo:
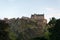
(55, 31)
(52, 21)
(3, 33)
(39, 38)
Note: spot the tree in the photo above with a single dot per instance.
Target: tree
(55, 31)
(3, 30)
(39, 38)
(52, 22)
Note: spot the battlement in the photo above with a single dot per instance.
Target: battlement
(37, 16)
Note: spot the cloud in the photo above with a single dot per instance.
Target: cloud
(53, 9)
(52, 12)
(49, 9)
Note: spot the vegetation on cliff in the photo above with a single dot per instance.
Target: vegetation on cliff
(22, 29)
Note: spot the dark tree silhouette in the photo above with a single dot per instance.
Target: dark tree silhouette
(39, 38)
(52, 22)
(3, 32)
(55, 31)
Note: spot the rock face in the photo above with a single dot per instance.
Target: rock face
(26, 28)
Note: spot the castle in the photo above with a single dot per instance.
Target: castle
(32, 27)
(41, 21)
(39, 18)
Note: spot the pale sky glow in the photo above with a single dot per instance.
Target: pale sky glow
(19, 8)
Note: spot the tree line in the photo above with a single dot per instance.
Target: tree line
(51, 30)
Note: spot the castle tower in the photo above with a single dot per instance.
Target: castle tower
(41, 21)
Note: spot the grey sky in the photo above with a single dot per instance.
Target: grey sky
(19, 8)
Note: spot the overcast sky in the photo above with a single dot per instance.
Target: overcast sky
(19, 8)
